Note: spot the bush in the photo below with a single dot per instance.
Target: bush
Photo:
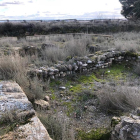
(57, 125)
(76, 48)
(99, 134)
(53, 54)
(12, 65)
(119, 98)
(137, 69)
(53, 127)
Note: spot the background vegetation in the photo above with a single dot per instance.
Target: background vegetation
(59, 27)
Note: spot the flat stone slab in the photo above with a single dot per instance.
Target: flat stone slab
(13, 99)
(34, 130)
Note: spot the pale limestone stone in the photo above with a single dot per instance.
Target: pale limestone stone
(42, 104)
(127, 129)
(14, 100)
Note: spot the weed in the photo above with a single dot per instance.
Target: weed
(98, 134)
(116, 71)
(53, 126)
(137, 69)
(119, 98)
(77, 88)
(53, 96)
(70, 108)
(85, 95)
(58, 126)
(55, 82)
(76, 48)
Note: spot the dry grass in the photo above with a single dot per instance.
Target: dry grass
(53, 54)
(123, 98)
(12, 65)
(76, 48)
(137, 69)
(8, 116)
(58, 126)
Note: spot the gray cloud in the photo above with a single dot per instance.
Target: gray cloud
(10, 3)
(47, 12)
(97, 15)
(49, 16)
(30, 1)
(2, 4)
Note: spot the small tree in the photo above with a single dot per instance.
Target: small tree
(130, 9)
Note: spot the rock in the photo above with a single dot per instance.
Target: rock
(69, 67)
(93, 49)
(112, 49)
(44, 105)
(138, 111)
(47, 45)
(89, 62)
(15, 107)
(102, 67)
(63, 88)
(56, 71)
(119, 57)
(84, 65)
(34, 130)
(111, 59)
(115, 121)
(61, 72)
(102, 58)
(74, 67)
(117, 53)
(127, 129)
(123, 53)
(85, 107)
(106, 64)
(135, 117)
(28, 50)
(91, 55)
(47, 98)
(109, 55)
(13, 98)
(61, 67)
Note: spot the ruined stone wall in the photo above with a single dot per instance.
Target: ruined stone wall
(92, 62)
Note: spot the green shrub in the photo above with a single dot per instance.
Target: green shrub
(99, 134)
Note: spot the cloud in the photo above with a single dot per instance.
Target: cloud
(10, 3)
(59, 9)
(2, 4)
(30, 1)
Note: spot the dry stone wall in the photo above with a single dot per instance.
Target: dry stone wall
(92, 62)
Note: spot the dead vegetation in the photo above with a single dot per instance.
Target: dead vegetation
(72, 110)
(119, 98)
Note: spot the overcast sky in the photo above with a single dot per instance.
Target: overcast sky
(59, 9)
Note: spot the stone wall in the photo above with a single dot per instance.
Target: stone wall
(99, 60)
